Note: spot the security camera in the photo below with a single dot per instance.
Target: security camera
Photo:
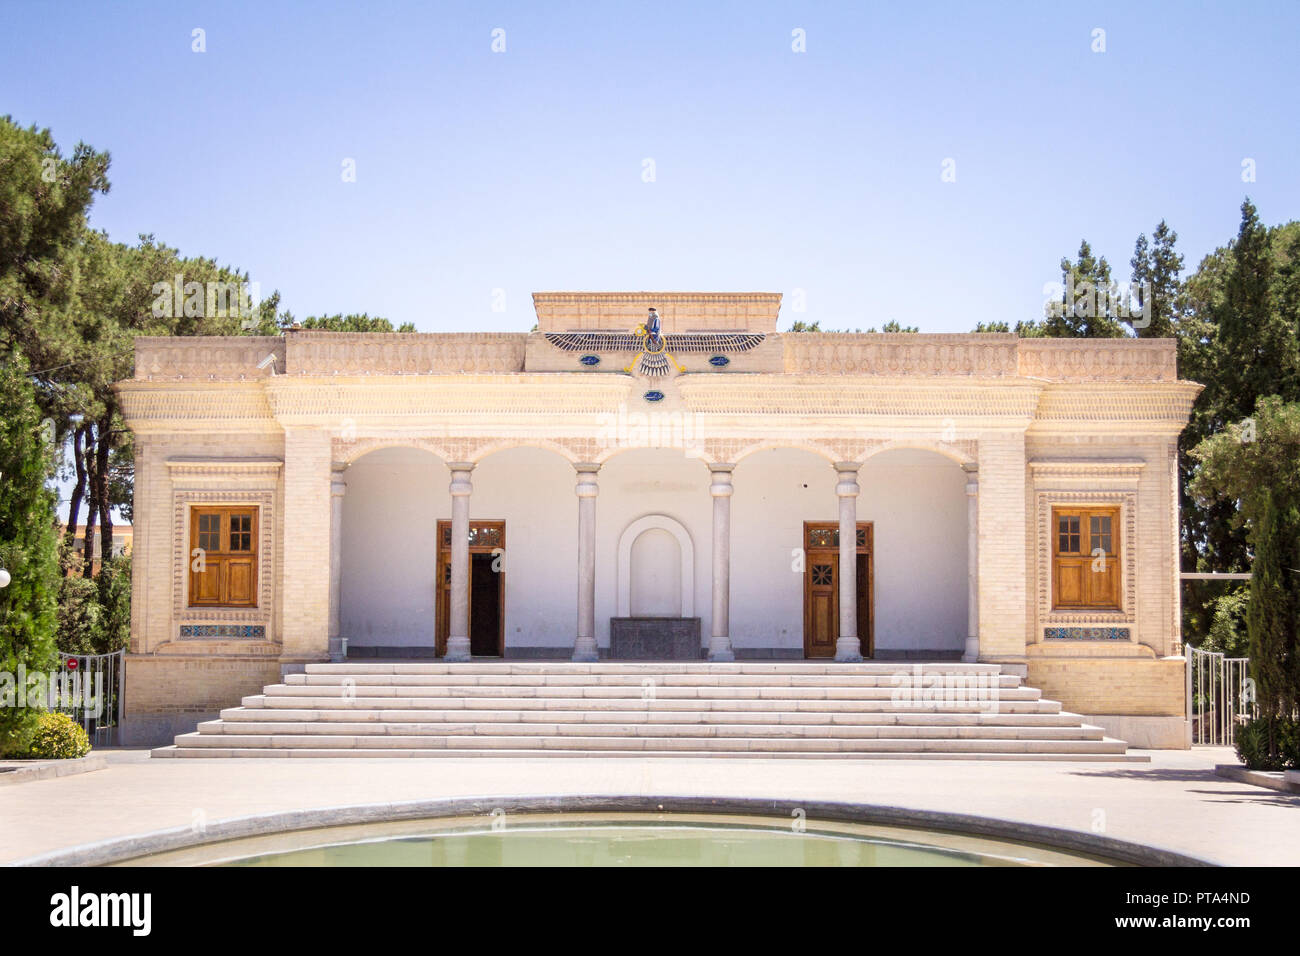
(269, 360)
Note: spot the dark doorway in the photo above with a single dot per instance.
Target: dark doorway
(484, 606)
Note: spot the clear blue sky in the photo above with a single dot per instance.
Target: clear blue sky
(775, 170)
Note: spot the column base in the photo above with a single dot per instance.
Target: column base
(971, 654)
(585, 651)
(457, 650)
(720, 651)
(848, 650)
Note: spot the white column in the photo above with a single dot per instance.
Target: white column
(720, 633)
(584, 647)
(847, 646)
(337, 488)
(458, 618)
(972, 652)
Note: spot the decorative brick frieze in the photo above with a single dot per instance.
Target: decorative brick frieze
(404, 353)
(878, 353)
(1098, 360)
(207, 357)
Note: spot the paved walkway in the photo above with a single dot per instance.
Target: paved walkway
(1175, 802)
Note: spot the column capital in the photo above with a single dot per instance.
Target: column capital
(460, 466)
(848, 475)
(337, 485)
(722, 466)
(721, 486)
(586, 486)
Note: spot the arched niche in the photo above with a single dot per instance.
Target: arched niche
(686, 551)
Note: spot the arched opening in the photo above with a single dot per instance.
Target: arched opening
(916, 501)
(394, 498)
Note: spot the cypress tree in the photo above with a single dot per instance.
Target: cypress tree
(28, 548)
(1271, 616)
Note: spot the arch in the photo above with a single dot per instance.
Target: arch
(779, 444)
(487, 449)
(348, 452)
(633, 531)
(956, 451)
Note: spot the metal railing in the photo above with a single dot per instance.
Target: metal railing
(1220, 697)
(92, 688)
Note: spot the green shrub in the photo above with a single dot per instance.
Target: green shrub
(1288, 743)
(58, 737)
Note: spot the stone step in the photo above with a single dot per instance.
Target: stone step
(594, 704)
(328, 753)
(899, 679)
(637, 691)
(584, 729)
(460, 715)
(885, 668)
(755, 745)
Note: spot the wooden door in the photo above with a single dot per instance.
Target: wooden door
(821, 602)
(486, 588)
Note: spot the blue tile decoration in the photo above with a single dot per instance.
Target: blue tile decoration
(654, 395)
(590, 360)
(248, 632)
(1086, 633)
(719, 361)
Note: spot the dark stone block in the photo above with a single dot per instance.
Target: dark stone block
(655, 639)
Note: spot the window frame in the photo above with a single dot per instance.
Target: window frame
(1109, 597)
(222, 561)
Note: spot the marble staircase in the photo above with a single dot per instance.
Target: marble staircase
(871, 710)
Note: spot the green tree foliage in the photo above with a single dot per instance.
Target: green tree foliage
(1087, 308)
(28, 548)
(1156, 283)
(1240, 296)
(347, 323)
(1273, 616)
(1255, 466)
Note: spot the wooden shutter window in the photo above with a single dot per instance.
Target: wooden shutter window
(1085, 558)
(227, 574)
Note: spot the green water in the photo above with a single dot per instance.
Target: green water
(645, 841)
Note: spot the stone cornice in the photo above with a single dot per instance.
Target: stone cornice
(168, 407)
(745, 403)
(1124, 408)
(247, 468)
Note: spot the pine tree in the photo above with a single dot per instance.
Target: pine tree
(1087, 308)
(1156, 285)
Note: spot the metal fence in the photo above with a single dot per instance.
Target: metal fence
(91, 690)
(1220, 696)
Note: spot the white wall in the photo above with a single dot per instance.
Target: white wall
(917, 500)
(395, 496)
(394, 499)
